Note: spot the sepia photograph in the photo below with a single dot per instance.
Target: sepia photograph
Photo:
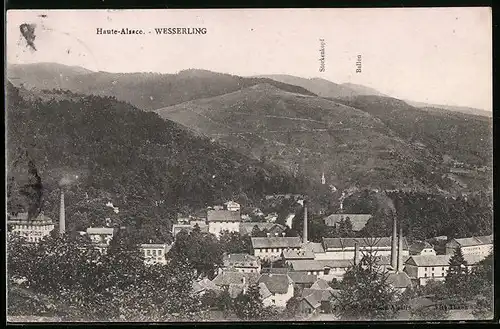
(249, 165)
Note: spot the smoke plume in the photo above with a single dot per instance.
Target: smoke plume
(68, 179)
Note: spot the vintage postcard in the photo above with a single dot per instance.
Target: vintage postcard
(249, 165)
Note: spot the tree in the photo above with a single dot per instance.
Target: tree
(233, 242)
(457, 278)
(249, 306)
(201, 250)
(365, 292)
(292, 307)
(224, 301)
(482, 281)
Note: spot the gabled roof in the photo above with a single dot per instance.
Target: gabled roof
(321, 295)
(418, 246)
(264, 292)
(100, 230)
(358, 220)
(208, 285)
(429, 260)
(315, 247)
(361, 242)
(176, 228)
(475, 241)
(297, 254)
(226, 278)
(276, 242)
(241, 260)
(223, 216)
(399, 280)
(302, 278)
(321, 285)
(312, 301)
(276, 283)
(247, 227)
(319, 265)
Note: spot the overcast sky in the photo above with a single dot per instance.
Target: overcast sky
(436, 55)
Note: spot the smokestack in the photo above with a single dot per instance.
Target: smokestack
(304, 233)
(356, 254)
(62, 215)
(394, 243)
(400, 249)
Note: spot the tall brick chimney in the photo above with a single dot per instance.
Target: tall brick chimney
(62, 215)
(356, 254)
(399, 267)
(394, 244)
(304, 233)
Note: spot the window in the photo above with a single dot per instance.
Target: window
(148, 252)
(433, 269)
(426, 269)
(160, 252)
(442, 268)
(154, 252)
(432, 274)
(327, 271)
(425, 275)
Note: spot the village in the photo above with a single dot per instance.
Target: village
(284, 267)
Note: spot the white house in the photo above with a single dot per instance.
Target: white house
(272, 247)
(323, 269)
(232, 206)
(343, 248)
(424, 268)
(155, 253)
(280, 286)
(101, 237)
(479, 245)
(32, 230)
(244, 263)
(223, 220)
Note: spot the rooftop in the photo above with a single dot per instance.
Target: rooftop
(399, 280)
(276, 242)
(319, 265)
(418, 246)
(247, 227)
(246, 260)
(223, 216)
(22, 218)
(101, 230)
(475, 241)
(302, 278)
(321, 284)
(382, 242)
(315, 247)
(264, 291)
(226, 278)
(276, 283)
(429, 260)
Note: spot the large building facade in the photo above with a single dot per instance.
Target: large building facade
(33, 230)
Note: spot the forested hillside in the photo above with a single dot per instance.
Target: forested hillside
(147, 91)
(148, 167)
